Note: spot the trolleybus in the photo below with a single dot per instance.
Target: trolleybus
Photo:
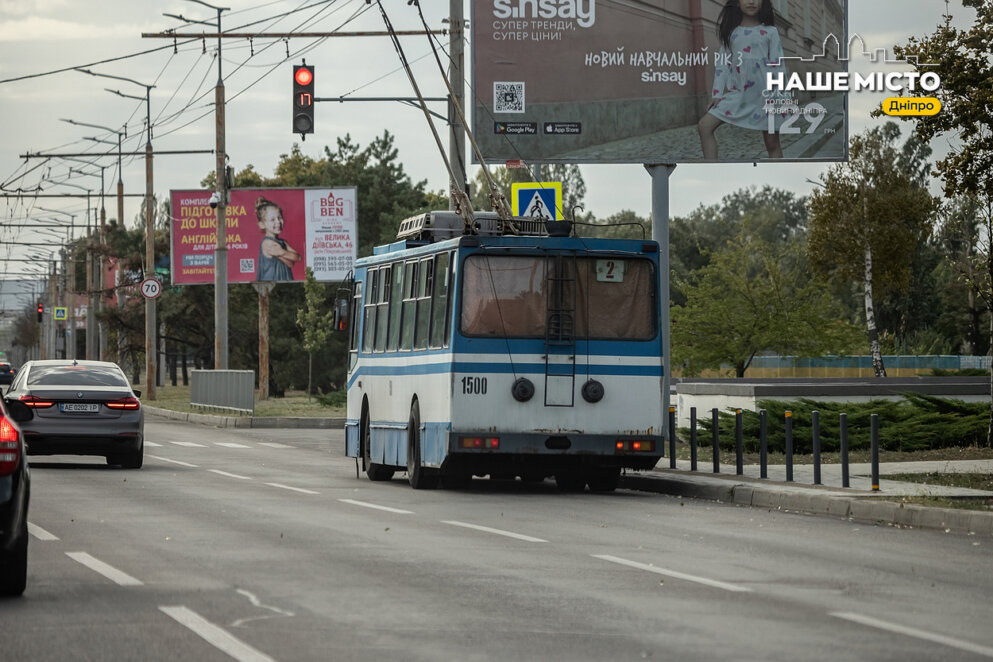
(531, 355)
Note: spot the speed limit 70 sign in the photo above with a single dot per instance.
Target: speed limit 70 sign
(151, 288)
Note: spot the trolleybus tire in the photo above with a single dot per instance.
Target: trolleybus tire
(420, 478)
(375, 472)
(568, 481)
(604, 479)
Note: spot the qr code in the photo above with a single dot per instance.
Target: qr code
(508, 97)
(247, 265)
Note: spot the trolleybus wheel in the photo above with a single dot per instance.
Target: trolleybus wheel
(420, 478)
(568, 481)
(376, 472)
(604, 479)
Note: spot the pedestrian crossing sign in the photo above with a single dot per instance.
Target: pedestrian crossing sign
(538, 200)
(61, 313)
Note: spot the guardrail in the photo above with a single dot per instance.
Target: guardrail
(230, 390)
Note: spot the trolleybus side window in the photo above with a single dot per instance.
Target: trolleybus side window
(382, 306)
(369, 321)
(409, 309)
(396, 299)
(439, 314)
(353, 345)
(425, 286)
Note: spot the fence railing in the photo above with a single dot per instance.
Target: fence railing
(231, 390)
(764, 445)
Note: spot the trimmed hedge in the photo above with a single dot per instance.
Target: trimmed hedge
(916, 423)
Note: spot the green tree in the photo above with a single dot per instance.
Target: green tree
(573, 185)
(315, 321)
(961, 58)
(868, 218)
(753, 296)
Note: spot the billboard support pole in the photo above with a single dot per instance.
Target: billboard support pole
(660, 232)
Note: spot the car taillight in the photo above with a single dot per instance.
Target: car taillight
(10, 447)
(35, 402)
(124, 403)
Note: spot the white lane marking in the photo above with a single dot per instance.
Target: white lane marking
(674, 574)
(258, 603)
(110, 572)
(912, 632)
(40, 533)
(188, 444)
(229, 475)
(182, 464)
(274, 444)
(152, 444)
(295, 489)
(499, 532)
(372, 505)
(231, 444)
(215, 636)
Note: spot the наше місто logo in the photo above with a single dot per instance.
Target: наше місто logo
(782, 85)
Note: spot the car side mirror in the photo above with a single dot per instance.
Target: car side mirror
(18, 411)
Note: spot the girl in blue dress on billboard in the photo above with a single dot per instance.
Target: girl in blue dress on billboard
(750, 47)
(276, 257)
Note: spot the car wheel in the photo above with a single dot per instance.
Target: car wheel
(14, 565)
(134, 459)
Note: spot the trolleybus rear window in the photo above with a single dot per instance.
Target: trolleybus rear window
(605, 297)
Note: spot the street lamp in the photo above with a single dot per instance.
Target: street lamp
(220, 248)
(150, 322)
(120, 175)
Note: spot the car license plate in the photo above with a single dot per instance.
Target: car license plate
(75, 407)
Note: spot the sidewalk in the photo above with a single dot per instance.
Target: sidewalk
(858, 502)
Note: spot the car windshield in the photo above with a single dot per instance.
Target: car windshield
(78, 375)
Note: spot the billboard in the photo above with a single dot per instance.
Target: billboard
(272, 235)
(615, 81)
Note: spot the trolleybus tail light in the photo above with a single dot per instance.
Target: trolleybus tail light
(635, 445)
(479, 443)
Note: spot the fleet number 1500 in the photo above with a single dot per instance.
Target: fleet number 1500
(474, 386)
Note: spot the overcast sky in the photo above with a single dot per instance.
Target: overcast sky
(42, 36)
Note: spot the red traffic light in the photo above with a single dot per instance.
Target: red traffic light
(303, 76)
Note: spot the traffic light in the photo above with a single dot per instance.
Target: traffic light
(41, 311)
(303, 99)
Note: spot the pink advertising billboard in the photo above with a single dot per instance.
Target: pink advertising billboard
(272, 235)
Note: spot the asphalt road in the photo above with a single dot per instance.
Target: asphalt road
(263, 545)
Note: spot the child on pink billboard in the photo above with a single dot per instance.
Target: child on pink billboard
(276, 256)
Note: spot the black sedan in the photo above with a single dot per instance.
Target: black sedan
(81, 408)
(7, 372)
(15, 491)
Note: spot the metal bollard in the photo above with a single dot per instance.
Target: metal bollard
(717, 444)
(874, 428)
(692, 438)
(843, 436)
(815, 434)
(672, 437)
(763, 446)
(789, 447)
(738, 443)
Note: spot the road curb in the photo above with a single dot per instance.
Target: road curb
(218, 421)
(857, 508)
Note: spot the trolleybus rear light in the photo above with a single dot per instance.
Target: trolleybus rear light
(635, 445)
(479, 443)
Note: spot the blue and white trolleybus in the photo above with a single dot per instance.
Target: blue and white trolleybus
(531, 355)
